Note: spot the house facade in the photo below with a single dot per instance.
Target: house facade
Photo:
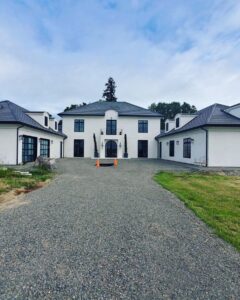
(25, 135)
(110, 130)
(211, 137)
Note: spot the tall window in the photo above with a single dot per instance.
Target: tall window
(167, 126)
(44, 148)
(111, 127)
(171, 148)
(187, 148)
(177, 122)
(46, 121)
(56, 125)
(143, 126)
(29, 149)
(79, 125)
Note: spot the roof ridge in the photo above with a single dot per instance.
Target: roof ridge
(213, 108)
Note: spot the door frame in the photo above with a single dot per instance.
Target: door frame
(146, 143)
(74, 145)
(116, 144)
(35, 139)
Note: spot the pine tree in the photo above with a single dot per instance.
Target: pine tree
(109, 93)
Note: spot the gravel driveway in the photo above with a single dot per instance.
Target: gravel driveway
(111, 234)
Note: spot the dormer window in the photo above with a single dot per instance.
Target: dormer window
(56, 125)
(167, 126)
(46, 121)
(177, 122)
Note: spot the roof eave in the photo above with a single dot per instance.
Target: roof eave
(197, 127)
(36, 128)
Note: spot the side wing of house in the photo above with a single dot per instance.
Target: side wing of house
(33, 143)
(186, 147)
(224, 147)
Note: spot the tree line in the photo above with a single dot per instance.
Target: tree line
(169, 110)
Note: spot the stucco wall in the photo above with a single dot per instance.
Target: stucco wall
(127, 125)
(8, 142)
(39, 117)
(224, 147)
(198, 147)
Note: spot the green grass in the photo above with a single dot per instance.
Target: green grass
(213, 198)
(10, 180)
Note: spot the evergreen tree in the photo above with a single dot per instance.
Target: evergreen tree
(109, 92)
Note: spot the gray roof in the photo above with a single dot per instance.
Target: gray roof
(100, 107)
(213, 115)
(11, 113)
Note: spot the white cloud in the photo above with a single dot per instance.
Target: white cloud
(52, 56)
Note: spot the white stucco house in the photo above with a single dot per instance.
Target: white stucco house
(110, 129)
(25, 135)
(211, 137)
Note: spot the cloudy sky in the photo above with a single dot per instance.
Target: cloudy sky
(58, 52)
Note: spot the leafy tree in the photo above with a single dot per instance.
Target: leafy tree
(169, 110)
(109, 92)
(73, 106)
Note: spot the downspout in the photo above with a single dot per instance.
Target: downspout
(206, 130)
(17, 143)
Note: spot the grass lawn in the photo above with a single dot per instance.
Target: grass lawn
(9, 180)
(213, 198)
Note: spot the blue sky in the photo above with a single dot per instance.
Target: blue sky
(58, 52)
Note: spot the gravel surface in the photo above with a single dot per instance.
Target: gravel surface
(111, 234)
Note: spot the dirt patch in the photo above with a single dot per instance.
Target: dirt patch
(11, 200)
(15, 198)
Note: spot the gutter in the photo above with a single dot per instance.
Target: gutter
(206, 130)
(17, 143)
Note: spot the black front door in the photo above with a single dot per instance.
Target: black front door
(142, 148)
(78, 148)
(111, 149)
(29, 149)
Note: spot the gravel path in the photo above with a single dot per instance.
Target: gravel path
(111, 234)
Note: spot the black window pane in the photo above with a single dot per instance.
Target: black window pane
(142, 148)
(171, 148)
(79, 125)
(29, 149)
(177, 122)
(111, 127)
(187, 148)
(78, 148)
(46, 121)
(143, 126)
(44, 148)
